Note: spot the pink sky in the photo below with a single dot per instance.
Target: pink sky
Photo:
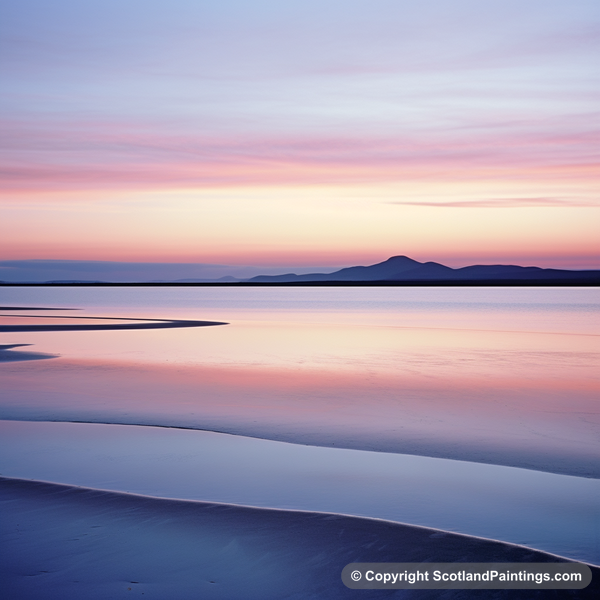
(305, 135)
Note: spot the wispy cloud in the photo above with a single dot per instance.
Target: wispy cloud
(219, 129)
(506, 203)
(88, 155)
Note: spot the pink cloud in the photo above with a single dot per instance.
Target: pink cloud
(507, 203)
(87, 156)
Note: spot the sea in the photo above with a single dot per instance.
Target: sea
(466, 409)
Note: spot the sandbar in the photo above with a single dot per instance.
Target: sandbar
(72, 543)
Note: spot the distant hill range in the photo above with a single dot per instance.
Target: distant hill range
(401, 269)
(398, 270)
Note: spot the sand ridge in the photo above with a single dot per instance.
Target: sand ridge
(69, 542)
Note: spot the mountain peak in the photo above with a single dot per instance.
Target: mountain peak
(401, 259)
(403, 268)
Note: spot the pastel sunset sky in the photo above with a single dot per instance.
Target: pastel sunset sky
(301, 133)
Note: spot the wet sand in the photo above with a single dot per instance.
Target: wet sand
(9, 354)
(554, 513)
(130, 323)
(73, 543)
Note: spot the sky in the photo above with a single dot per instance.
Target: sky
(300, 133)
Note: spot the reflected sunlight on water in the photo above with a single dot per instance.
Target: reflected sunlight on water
(506, 376)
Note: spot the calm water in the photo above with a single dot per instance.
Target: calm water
(491, 376)
(555, 513)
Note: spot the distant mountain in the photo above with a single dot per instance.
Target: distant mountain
(226, 279)
(88, 272)
(397, 270)
(389, 269)
(404, 269)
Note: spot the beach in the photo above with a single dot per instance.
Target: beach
(80, 542)
(256, 459)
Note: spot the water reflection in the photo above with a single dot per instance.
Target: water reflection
(519, 421)
(504, 377)
(555, 513)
